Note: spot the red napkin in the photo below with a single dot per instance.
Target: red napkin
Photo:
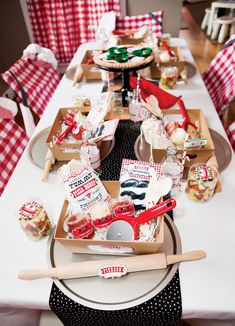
(165, 100)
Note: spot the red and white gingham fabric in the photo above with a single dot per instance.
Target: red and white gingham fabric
(38, 82)
(136, 22)
(219, 78)
(13, 141)
(64, 25)
(230, 131)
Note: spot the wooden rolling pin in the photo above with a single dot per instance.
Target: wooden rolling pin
(91, 268)
(78, 75)
(184, 75)
(49, 161)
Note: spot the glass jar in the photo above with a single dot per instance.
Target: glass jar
(169, 77)
(34, 219)
(201, 183)
(117, 103)
(172, 167)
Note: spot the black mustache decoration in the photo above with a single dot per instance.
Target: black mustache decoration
(134, 183)
(133, 195)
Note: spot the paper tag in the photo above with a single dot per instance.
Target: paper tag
(134, 180)
(83, 187)
(196, 142)
(106, 130)
(109, 249)
(99, 110)
(112, 271)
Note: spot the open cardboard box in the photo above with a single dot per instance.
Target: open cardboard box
(57, 149)
(105, 246)
(155, 72)
(127, 38)
(196, 155)
(90, 70)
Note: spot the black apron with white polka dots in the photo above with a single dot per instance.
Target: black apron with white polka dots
(162, 310)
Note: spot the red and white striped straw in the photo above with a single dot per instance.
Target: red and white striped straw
(184, 156)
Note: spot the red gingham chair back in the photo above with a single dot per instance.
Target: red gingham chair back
(38, 82)
(13, 141)
(63, 26)
(153, 19)
(230, 131)
(219, 78)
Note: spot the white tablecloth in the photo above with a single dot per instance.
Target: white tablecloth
(207, 286)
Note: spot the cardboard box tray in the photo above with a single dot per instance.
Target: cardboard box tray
(196, 155)
(90, 70)
(58, 149)
(105, 246)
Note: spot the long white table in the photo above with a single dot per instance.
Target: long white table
(207, 286)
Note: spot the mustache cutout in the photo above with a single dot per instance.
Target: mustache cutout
(134, 183)
(133, 195)
(140, 207)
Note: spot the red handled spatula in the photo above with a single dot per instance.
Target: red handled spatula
(107, 266)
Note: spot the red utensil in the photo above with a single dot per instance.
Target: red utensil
(185, 116)
(166, 47)
(72, 124)
(126, 228)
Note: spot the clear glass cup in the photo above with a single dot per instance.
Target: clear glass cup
(201, 182)
(117, 103)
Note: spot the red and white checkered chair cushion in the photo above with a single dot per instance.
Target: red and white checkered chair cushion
(136, 22)
(219, 78)
(230, 131)
(63, 26)
(13, 141)
(38, 81)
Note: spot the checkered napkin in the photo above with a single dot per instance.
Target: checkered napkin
(219, 78)
(13, 141)
(38, 81)
(153, 19)
(230, 131)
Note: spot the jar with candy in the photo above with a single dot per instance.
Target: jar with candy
(201, 183)
(169, 77)
(34, 220)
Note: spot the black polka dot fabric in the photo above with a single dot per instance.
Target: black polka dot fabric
(162, 310)
(125, 137)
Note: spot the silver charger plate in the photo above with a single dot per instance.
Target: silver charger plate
(37, 150)
(223, 151)
(119, 293)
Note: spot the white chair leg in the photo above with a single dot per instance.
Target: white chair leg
(232, 29)
(215, 30)
(223, 33)
(205, 20)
